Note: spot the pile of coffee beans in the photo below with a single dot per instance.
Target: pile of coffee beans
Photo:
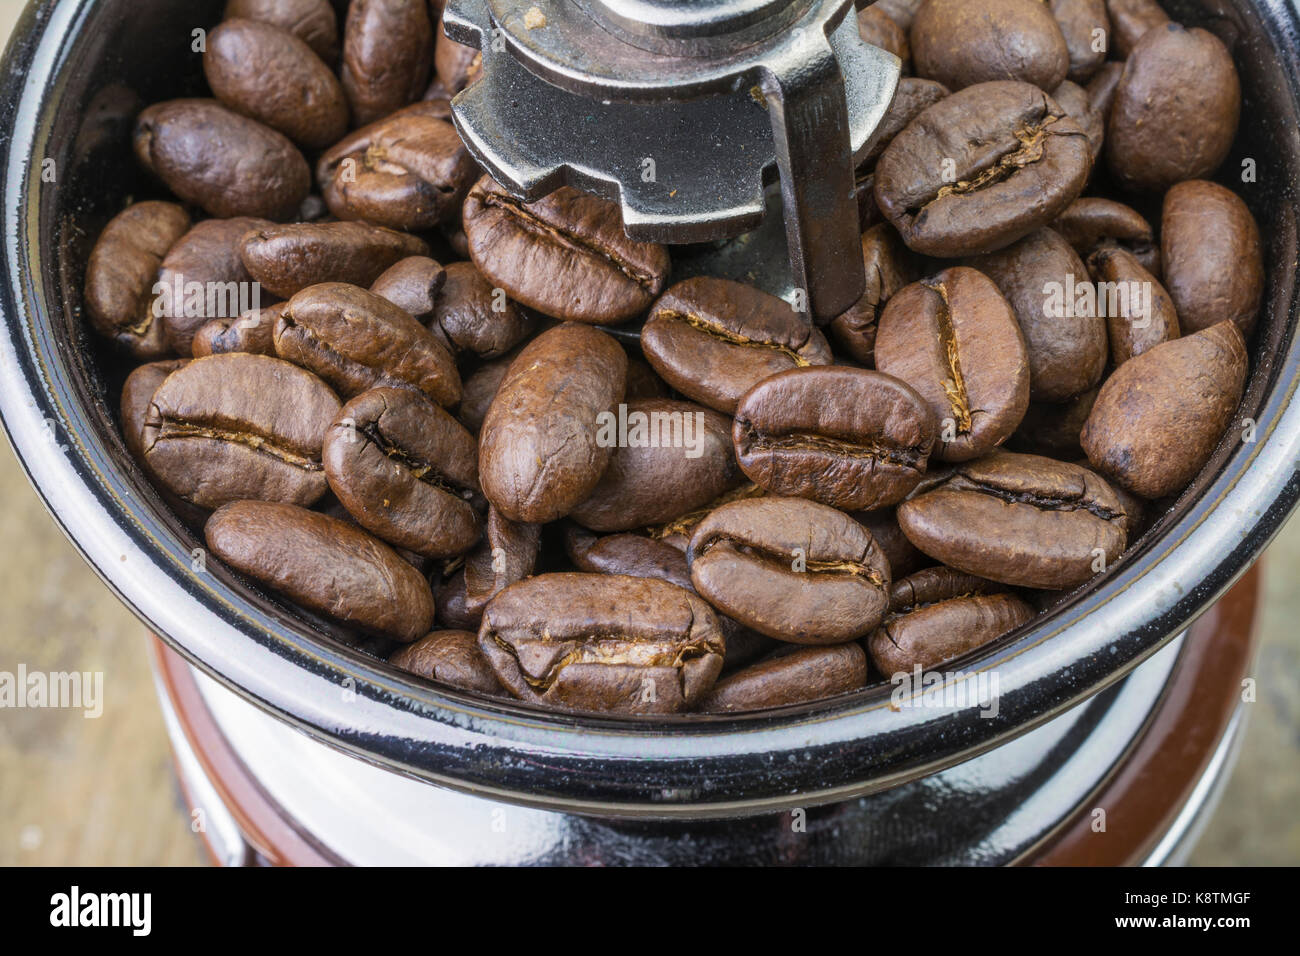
(385, 389)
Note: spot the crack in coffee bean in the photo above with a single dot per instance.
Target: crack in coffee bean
(422, 470)
(1031, 140)
(735, 338)
(171, 428)
(955, 385)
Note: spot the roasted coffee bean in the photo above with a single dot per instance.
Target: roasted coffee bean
(287, 259)
(357, 341)
(122, 273)
(794, 675)
(252, 331)
(714, 339)
(507, 553)
(1176, 109)
(1160, 416)
(202, 278)
(846, 437)
(387, 56)
(1052, 429)
(604, 643)
(912, 97)
(795, 570)
(1146, 319)
(902, 555)
(954, 339)
(669, 458)
(228, 164)
(1091, 221)
(458, 65)
(901, 12)
(889, 267)
(1074, 100)
(539, 449)
(449, 657)
(474, 317)
(1019, 519)
(262, 71)
(412, 284)
(981, 168)
(407, 171)
(864, 194)
(1101, 88)
(137, 394)
(1080, 22)
(406, 470)
(286, 548)
(677, 532)
(479, 390)
(312, 21)
(879, 29)
(642, 382)
(1214, 263)
(938, 614)
(1066, 343)
(1130, 20)
(237, 426)
(565, 255)
(964, 42)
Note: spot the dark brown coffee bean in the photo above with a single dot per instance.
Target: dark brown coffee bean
(507, 553)
(604, 643)
(357, 341)
(565, 255)
(938, 614)
(539, 454)
(1038, 276)
(889, 266)
(475, 317)
(643, 383)
(1214, 263)
(846, 437)
(137, 394)
(1083, 23)
(251, 332)
(406, 470)
(1052, 429)
(1101, 88)
(479, 390)
(287, 259)
(879, 29)
(714, 339)
(1160, 416)
(286, 547)
(902, 555)
(1091, 221)
(122, 273)
(1074, 100)
(1139, 314)
(387, 56)
(1176, 109)
(228, 164)
(1131, 20)
(901, 12)
(458, 65)
(449, 657)
(407, 171)
(980, 169)
(964, 42)
(912, 97)
(412, 284)
(237, 426)
(669, 458)
(1019, 519)
(677, 533)
(795, 570)
(793, 676)
(312, 21)
(954, 339)
(202, 278)
(262, 71)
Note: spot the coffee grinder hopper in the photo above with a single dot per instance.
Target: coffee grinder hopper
(683, 112)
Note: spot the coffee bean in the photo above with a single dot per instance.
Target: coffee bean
(539, 457)
(1101, 88)
(387, 56)
(237, 426)
(889, 267)
(1066, 345)
(1214, 264)
(262, 71)
(228, 164)
(250, 332)
(938, 614)
(1091, 221)
(137, 393)
(479, 390)
(978, 170)
(911, 99)
(565, 255)
(792, 676)
(902, 556)
(1131, 20)
(1019, 519)
(357, 341)
(1052, 429)
(877, 28)
(792, 569)
(287, 259)
(285, 547)
(866, 449)
(604, 643)
(475, 317)
(412, 284)
(954, 339)
(312, 21)
(458, 65)
(1176, 109)
(406, 470)
(1142, 325)
(1080, 22)
(122, 271)
(449, 657)
(643, 383)
(901, 12)
(714, 339)
(1160, 416)
(507, 553)
(1074, 100)
(964, 42)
